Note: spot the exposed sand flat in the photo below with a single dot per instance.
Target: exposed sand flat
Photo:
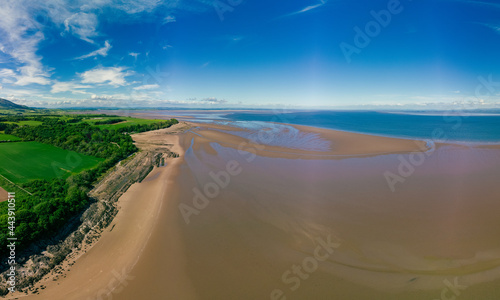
(439, 227)
(343, 144)
(3, 195)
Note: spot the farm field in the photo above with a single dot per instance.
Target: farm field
(8, 137)
(128, 122)
(28, 122)
(24, 161)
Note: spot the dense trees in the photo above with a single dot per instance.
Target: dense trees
(8, 127)
(148, 127)
(83, 138)
(55, 201)
(109, 121)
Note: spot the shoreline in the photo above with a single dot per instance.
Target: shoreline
(49, 285)
(148, 113)
(82, 270)
(149, 217)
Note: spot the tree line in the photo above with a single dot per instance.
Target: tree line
(53, 202)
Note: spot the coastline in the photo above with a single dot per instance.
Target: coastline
(95, 270)
(149, 217)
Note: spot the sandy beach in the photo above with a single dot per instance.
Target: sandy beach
(105, 268)
(233, 219)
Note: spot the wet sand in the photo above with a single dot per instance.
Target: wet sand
(438, 226)
(235, 219)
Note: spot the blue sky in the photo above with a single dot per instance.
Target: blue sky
(234, 53)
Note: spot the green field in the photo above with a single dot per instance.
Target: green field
(24, 161)
(29, 122)
(8, 137)
(129, 121)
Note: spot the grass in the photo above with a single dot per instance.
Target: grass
(25, 161)
(9, 187)
(128, 122)
(8, 137)
(29, 123)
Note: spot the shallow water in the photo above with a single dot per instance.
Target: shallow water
(454, 126)
(439, 225)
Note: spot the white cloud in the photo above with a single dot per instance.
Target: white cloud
(169, 19)
(20, 36)
(237, 38)
(136, 6)
(213, 100)
(60, 87)
(102, 51)
(494, 27)
(134, 55)
(308, 8)
(146, 87)
(111, 75)
(82, 25)
(311, 7)
(5, 73)
(101, 97)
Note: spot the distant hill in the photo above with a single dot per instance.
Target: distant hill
(6, 104)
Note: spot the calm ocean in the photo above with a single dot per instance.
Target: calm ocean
(461, 128)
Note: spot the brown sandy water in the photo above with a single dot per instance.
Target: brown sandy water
(262, 221)
(440, 225)
(437, 230)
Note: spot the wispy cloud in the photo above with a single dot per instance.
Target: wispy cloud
(23, 24)
(306, 9)
(213, 100)
(6, 75)
(19, 38)
(111, 75)
(134, 55)
(82, 25)
(102, 51)
(169, 19)
(494, 27)
(73, 87)
(146, 87)
(135, 6)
